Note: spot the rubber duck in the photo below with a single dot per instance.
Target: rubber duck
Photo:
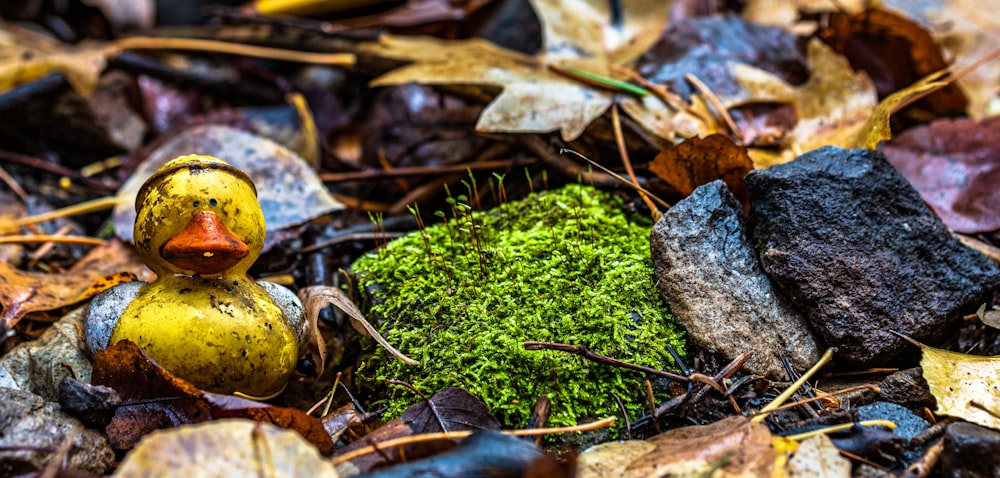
(199, 227)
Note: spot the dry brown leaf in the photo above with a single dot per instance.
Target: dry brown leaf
(965, 386)
(610, 459)
(226, 447)
(732, 447)
(22, 292)
(153, 398)
(698, 161)
(317, 297)
(968, 31)
(535, 99)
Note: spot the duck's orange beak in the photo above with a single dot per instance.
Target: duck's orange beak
(205, 246)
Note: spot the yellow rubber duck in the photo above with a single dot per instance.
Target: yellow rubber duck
(200, 228)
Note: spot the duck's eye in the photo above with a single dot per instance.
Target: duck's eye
(212, 202)
(197, 204)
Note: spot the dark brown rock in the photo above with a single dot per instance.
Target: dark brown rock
(970, 451)
(851, 243)
(907, 388)
(708, 273)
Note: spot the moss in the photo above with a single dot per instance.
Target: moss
(563, 266)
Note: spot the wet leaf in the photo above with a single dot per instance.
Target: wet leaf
(965, 386)
(27, 56)
(817, 457)
(153, 398)
(896, 53)
(877, 128)
(487, 453)
(731, 447)
(458, 409)
(22, 292)
(698, 161)
(576, 34)
(955, 165)
(289, 191)
(967, 31)
(833, 106)
(40, 365)
(706, 48)
(229, 447)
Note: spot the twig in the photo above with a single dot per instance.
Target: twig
(61, 239)
(53, 168)
(564, 165)
(428, 401)
(616, 125)
(372, 174)
(12, 184)
(215, 46)
(660, 92)
(780, 399)
(710, 96)
(607, 422)
(587, 354)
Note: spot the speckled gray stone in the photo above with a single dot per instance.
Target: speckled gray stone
(709, 275)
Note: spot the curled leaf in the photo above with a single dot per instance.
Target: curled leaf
(316, 298)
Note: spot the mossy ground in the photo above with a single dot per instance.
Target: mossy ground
(562, 266)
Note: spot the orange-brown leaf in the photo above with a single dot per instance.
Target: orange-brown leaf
(698, 161)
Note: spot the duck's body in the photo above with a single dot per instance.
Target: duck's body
(199, 227)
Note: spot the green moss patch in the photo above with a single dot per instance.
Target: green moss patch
(462, 296)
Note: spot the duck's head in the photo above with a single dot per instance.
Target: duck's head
(198, 215)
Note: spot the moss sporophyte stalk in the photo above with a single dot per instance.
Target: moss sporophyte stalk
(462, 295)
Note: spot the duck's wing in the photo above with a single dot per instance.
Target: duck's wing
(105, 311)
(291, 306)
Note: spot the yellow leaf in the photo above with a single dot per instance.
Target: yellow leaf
(27, 56)
(533, 98)
(877, 128)
(965, 386)
(233, 447)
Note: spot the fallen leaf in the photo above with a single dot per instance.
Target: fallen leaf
(535, 99)
(896, 53)
(289, 191)
(833, 106)
(816, 457)
(226, 447)
(968, 32)
(610, 459)
(706, 48)
(22, 292)
(955, 165)
(965, 386)
(27, 56)
(458, 409)
(40, 365)
(153, 398)
(877, 128)
(485, 453)
(698, 161)
(315, 298)
(730, 447)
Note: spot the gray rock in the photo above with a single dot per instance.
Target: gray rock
(970, 451)
(851, 243)
(708, 273)
(30, 428)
